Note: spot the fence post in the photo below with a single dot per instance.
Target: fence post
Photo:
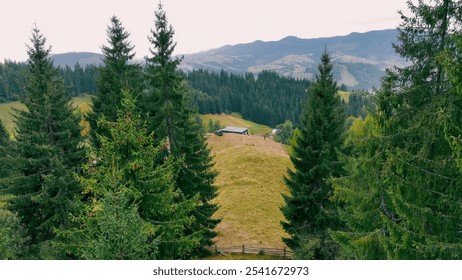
(284, 252)
(243, 249)
(216, 249)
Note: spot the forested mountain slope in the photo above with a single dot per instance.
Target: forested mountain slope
(359, 58)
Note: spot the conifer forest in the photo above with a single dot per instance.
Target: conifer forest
(373, 175)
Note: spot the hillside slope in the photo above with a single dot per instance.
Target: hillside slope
(250, 183)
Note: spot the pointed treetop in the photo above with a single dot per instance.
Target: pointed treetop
(325, 69)
(162, 39)
(118, 44)
(37, 50)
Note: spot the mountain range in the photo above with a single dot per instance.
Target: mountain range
(72, 58)
(359, 59)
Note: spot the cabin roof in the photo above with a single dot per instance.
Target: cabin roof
(234, 129)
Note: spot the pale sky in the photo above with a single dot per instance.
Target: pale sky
(80, 25)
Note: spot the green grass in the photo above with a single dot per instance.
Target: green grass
(250, 183)
(6, 109)
(83, 102)
(236, 119)
(344, 95)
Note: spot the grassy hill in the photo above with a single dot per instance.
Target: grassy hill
(250, 183)
(6, 110)
(83, 103)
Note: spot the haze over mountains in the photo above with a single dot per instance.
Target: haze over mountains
(359, 59)
(82, 58)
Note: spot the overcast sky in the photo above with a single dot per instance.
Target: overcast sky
(80, 25)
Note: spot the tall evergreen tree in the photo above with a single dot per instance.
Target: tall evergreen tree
(134, 213)
(422, 180)
(118, 72)
(418, 192)
(361, 194)
(166, 96)
(308, 209)
(170, 116)
(452, 63)
(196, 177)
(46, 153)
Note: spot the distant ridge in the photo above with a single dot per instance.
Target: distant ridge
(72, 58)
(360, 59)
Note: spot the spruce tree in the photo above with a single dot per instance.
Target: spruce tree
(171, 116)
(13, 236)
(360, 195)
(115, 231)
(195, 179)
(308, 209)
(165, 100)
(415, 197)
(118, 72)
(421, 175)
(46, 154)
(134, 199)
(453, 112)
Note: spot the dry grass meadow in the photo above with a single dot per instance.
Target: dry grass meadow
(250, 183)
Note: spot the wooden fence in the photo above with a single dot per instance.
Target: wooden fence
(245, 249)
